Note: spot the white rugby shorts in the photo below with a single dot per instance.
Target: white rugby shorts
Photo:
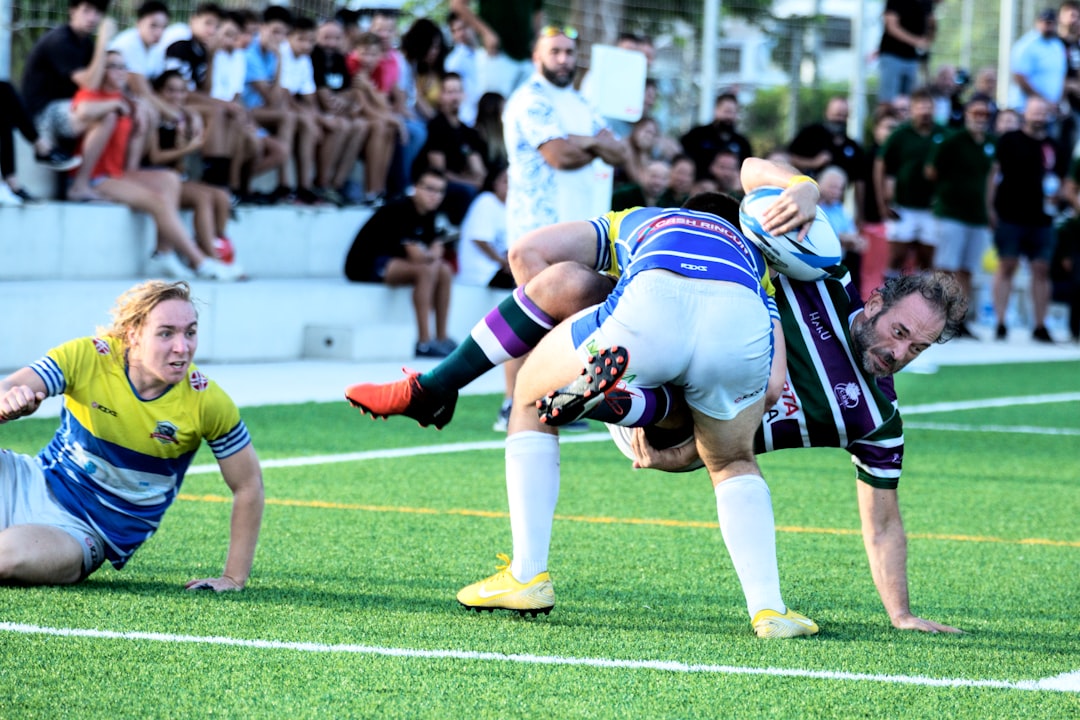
(914, 225)
(25, 499)
(711, 338)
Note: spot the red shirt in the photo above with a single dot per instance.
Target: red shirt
(112, 161)
(385, 75)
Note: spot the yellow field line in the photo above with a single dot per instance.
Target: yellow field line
(324, 505)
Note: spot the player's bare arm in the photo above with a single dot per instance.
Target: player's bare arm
(886, 549)
(243, 475)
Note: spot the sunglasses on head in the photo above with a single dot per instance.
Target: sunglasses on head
(550, 31)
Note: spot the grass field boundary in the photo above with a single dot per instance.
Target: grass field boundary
(1066, 682)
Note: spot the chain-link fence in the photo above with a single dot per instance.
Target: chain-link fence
(783, 57)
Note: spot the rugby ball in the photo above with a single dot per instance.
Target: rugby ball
(808, 259)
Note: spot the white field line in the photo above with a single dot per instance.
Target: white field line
(600, 437)
(1067, 682)
(1019, 429)
(990, 403)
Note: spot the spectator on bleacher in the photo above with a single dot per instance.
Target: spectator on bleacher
(703, 142)
(960, 168)
(13, 115)
(380, 108)
(870, 222)
(180, 133)
(462, 59)
(489, 126)
(369, 78)
(337, 93)
(906, 39)
(680, 181)
(61, 62)
(254, 152)
(904, 193)
(506, 31)
(643, 142)
(335, 140)
(223, 121)
(482, 248)
(1029, 182)
(141, 49)
(267, 101)
(156, 192)
(724, 171)
(650, 192)
(99, 490)
(832, 183)
(424, 50)
(394, 76)
(1038, 65)
(456, 149)
(399, 245)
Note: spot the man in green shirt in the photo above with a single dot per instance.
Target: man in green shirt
(961, 167)
(904, 192)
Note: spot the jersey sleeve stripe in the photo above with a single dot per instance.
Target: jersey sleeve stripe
(51, 374)
(231, 442)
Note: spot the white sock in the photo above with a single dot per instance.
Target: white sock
(532, 489)
(744, 507)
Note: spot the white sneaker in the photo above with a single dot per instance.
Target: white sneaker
(9, 198)
(168, 265)
(212, 269)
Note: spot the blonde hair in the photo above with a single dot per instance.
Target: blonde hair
(135, 305)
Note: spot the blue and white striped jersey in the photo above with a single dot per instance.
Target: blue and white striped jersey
(117, 460)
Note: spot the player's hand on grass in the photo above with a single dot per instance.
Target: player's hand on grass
(911, 622)
(220, 584)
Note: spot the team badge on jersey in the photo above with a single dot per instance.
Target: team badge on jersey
(101, 346)
(848, 394)
(165, 433)
(199, 382)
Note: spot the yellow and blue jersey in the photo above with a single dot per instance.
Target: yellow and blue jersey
(686, 242)
(117, 460)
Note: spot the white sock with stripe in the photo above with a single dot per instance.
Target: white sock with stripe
(532, 489)
(744, 508)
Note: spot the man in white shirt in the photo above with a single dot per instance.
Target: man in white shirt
(335, 140)
(462, 60)
(255, 151)
(141, 46)
(560, 151)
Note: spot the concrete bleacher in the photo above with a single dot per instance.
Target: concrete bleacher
(62, 265)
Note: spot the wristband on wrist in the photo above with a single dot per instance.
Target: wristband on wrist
(801, 179)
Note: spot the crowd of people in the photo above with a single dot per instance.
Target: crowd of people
(230, 95)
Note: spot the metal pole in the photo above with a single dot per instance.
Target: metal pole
(967, 22)
(858, 100)
(710, 33)
(5, 39)
(1006, 35)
